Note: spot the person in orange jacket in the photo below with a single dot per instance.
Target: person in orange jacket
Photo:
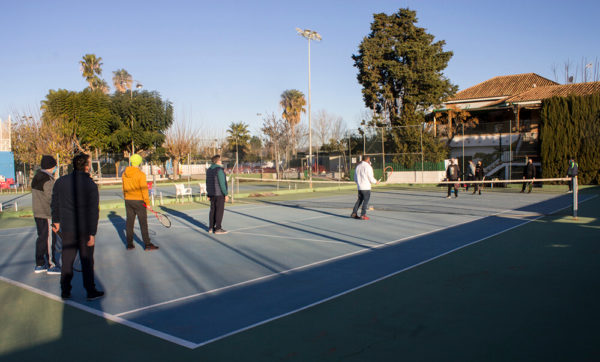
(135, 191)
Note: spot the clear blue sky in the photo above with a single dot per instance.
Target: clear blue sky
(224, 61)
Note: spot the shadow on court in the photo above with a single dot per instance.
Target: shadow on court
(119, 224)
(186, 217)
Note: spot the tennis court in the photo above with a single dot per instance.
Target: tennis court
(282, 255)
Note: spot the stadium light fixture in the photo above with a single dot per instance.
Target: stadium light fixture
(309, 35)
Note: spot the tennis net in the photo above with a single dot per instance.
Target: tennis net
(531, 197)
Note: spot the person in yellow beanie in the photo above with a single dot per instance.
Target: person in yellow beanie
(135, 191)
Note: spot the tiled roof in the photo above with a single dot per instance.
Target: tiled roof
(539, 93)
(503, 86)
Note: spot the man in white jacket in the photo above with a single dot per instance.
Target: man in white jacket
(363, 176)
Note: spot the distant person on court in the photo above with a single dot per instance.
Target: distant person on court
(479, 176)
(135, 192)
(453, 174)
(470, 173)
(216, 190)
(75, 213)
(529, 174)
(363, 176)
(572, 172)
(41, 197)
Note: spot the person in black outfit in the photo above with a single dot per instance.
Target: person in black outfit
(528, 173)
(479, 177)
(572, 172)
(216, 190)
(453, 174)
(75, 213)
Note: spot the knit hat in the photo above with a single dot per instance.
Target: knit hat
(48, 162)
(136, 160)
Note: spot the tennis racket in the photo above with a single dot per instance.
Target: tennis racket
(162, 218)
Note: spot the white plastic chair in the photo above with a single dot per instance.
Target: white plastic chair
(181, 190)
(203, 192)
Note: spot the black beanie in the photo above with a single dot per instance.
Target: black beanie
(48, 162)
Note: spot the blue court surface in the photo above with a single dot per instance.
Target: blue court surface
(279, 257)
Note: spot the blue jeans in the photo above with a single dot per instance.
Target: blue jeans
(363, 198)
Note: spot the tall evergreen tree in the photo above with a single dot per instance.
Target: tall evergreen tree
(400, 69)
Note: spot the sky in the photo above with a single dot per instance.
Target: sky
(226, 61)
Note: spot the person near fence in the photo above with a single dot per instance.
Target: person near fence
(453, 174)
(216, 189)
(470, 174)
(47, 245)
(479, 176)
(572, 172)
(363, 176)
(135, 191)
(75, 212)
(529, 174)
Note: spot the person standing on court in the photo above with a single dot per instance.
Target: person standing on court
(529, 174)
(41, 196)
(470, 173)
(75, 213)
(216, 190)
(572, 172)
(363, 176)
(135, 192)
(479, 177)
(453, 174)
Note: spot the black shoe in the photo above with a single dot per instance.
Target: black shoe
(129, 247)
(354, 216)
(151, 247)
(95, 294)
(65, 295)
(221, 231)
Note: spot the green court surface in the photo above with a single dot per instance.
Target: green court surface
(529, 293)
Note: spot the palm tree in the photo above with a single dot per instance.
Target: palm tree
(238, 138)
(122, 80)
(91, 68)
(293, 102)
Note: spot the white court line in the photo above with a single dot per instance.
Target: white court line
(116, 318)
(250, 281)
(101, 314)
(374, 281)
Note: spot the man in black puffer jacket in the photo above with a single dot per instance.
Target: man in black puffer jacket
(75, 213)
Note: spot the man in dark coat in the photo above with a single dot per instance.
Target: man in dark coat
(75, 213)
(453, 174)
(216, 190)
(529, 174)
(479, 177)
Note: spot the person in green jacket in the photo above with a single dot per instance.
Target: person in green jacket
(216, 189)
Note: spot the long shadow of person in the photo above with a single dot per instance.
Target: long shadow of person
(185, 217)
(119, 224)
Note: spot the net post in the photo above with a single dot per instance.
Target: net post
(575, 198)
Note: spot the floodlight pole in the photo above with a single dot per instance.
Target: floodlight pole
(137, 86)
(309, 35)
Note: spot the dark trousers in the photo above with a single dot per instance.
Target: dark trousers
(215, 216)
(477, 186)
(450, 186)
(570, 183)
(469, 178)
(525, 185)
(73, 244)
(363, 198)
(133, 208)
(42, 254)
